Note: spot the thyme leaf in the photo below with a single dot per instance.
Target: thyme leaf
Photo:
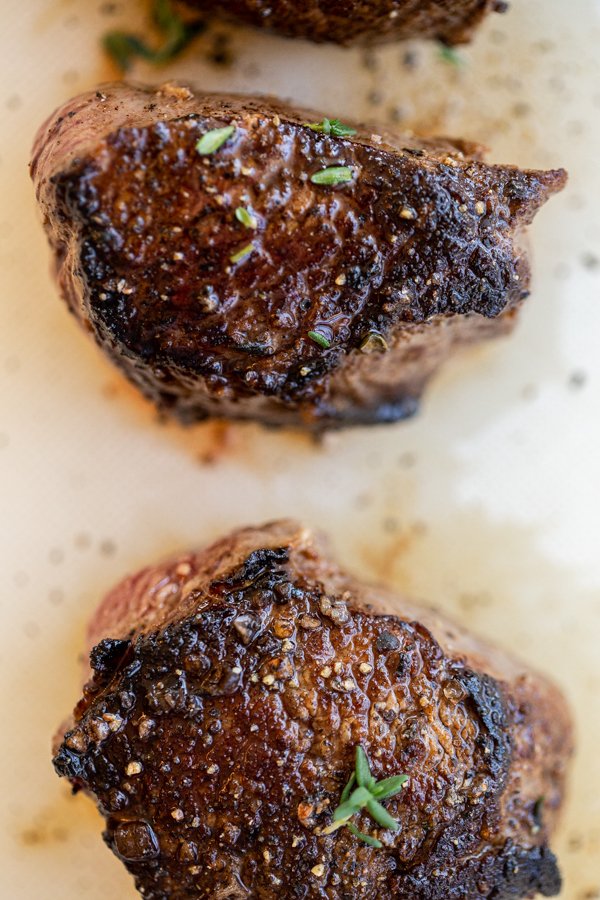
(323, 342)
(333, 127)
(332, 175)
(246, 218)
(243, 253)
(212, 140)
(371, 841)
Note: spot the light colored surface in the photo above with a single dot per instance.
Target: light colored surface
(487, 504)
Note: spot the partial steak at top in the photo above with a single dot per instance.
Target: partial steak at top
(360, 21)
(328, 304)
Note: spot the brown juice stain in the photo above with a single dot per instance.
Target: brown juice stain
(221, 439)
(213, 441)
(217, 441)
(384, 556)
(46, 833)
(58, 823)
(110, 390)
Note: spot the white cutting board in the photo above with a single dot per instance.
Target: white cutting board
(486, 504)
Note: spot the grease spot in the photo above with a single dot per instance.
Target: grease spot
(56, 596)
(56, 556)
(108, 547)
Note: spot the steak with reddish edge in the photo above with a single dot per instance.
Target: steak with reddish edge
(328, 304)
(227, 694)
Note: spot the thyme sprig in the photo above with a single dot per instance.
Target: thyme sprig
(176, 34)
(364, 792)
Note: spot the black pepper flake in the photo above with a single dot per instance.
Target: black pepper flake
(247, 626)
(577, 380)
(287, 591)
(517, 190)
(403, 667)
(387, 641)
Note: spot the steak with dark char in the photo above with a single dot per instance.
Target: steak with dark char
(228, 691)
(360, 21)
(329, 304)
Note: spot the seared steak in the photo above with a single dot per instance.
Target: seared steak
(229, 691)
(286, 275)
(360, 21)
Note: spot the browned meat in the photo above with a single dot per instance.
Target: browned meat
(360, 21)
(330, 304)
(229, 690)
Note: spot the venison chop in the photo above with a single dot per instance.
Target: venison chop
(361, 262)
(227, 694)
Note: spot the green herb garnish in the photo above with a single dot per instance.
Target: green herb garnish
(319, 339)
(214, 139)
(177, 34)
(243, 253)
(333, 127)
(367, 795)
(332, 175)
(371, 841)
(451, 56)
(246, 218)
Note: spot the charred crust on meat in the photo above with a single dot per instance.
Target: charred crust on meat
(527, 872)
(217, 738)
(514, 873)
(359, 22)
(262, 567)
(422, 249)
(69, 764)
(106, 656)
(486, 695)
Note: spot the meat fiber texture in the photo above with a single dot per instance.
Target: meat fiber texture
(419, 252)
(228, 691)
(359, 21)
